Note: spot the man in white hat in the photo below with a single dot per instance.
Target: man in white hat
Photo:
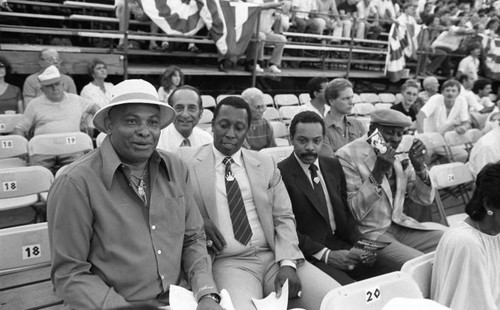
(55, 111)
(32, 88)
(123, 223)
(380, 184)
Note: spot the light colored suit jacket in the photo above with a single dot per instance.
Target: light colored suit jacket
(269, 193)
(375, 211)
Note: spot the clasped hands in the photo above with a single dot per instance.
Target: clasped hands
(349, 259)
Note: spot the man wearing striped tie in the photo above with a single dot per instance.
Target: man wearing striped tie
(249, 222)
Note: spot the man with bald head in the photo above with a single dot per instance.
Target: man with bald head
(32, 88)
(123, 224)
(380, 184)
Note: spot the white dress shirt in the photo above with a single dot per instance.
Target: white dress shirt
(170, 139)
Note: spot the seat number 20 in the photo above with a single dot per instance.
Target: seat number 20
(372, 295)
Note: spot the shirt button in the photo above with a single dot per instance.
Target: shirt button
(159, 252)
(153, 227)
(162, 277)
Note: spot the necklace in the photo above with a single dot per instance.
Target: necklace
(140, 185)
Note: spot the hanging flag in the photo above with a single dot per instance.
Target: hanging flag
(399, 45)
(230, 24)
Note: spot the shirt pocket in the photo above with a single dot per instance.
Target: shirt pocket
(176, 216)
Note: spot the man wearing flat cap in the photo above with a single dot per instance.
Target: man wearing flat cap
(55, 111)
(123, 223)
(380, 182)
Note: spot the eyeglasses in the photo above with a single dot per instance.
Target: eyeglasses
(260, 107)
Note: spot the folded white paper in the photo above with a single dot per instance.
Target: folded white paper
(183, 299)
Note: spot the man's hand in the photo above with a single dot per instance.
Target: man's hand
(213, 234)
(294, 286)
(417, 155)
(383, 164)
(208, 304)
(344, 259)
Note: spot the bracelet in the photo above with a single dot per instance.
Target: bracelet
(213, 296)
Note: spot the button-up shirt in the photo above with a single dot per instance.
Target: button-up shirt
(336, 136)
(109, 249)
(170, 139)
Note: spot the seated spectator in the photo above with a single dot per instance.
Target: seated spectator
(349, 15)
(340, 128)
(123, 224)
(482, 90)
(97, 91)
(317, 188)
(316, 87)
(260, 134)
(470, 64)
(431, 87)
(379, 186)
(267, 20)
(327, 11)
(466, 273)
(304, 17)
(426, 37)
(183, 132)
(369, 19)
(171, 78)
(444, 113)
(55, 111)
(492, 119)
(478, 99)
(409, 92)
(407, 21)
(10, 95)
(487, 148)
(31, 89)
(427, 13)
(256, 252)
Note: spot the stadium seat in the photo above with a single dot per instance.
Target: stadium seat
(268, 100)
(13, 151)
(387, 98)
(420, 269)
(278, 153)
(399, 98)
(369, 97)
(8, 122)
(206, 119)
(100, 138)
(60, 143)
(356, 99)
(271, 114)
(304, 98)
(280, 133)
(24, 186)
(381, 106)
(222, 96)
(474, 135)
(208, 102)
(282, 100)
(24, 247)
(362, 109)
(371, 294)
(434, 140)
(450, 175)
(287, 113)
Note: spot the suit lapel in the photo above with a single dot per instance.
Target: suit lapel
(205, 170)
(370, 162)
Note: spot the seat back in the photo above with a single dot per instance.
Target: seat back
(271, 114)
(362, 109)
(268, 100)
(222, 96)
(12, 148)
(356, 99)
(60, 143)
(369, 97)
(453, 138)
(431, 140)
(420, 269)
(285, 100)
(208, 102)
(304, 98)
(381, 106)
(474, 135)
(100, 138)
(451, 174)
(8, 122)
(23, 247)
(23, 181)
(279, 130)
(287, 113)
(371, 294)
(278, 153)
(206, 119)
(387, 98)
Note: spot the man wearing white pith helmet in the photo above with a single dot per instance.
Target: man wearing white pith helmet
(122, 220)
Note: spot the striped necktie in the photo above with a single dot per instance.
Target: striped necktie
(241, 226)
(185, 142)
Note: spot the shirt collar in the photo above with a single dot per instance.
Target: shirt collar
(111, 162)
(330, 122)
(219, 157)
(305, 167)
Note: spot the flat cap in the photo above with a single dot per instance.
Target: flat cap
(49, 76)
(390, 117)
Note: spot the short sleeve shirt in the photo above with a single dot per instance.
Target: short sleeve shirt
(436, 116)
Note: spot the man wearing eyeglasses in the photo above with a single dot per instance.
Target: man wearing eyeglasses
(380, 186)
(32, 88)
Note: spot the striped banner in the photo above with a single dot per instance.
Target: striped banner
(230, 24)
(400, 44)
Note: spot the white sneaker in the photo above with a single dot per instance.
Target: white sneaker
(258, 69)
(274, 69)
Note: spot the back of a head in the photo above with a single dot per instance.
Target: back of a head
(314, 85)
(487, 191)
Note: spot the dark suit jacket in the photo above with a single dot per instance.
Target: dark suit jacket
(313, 225)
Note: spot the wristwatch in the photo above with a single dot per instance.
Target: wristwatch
(213, 296)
